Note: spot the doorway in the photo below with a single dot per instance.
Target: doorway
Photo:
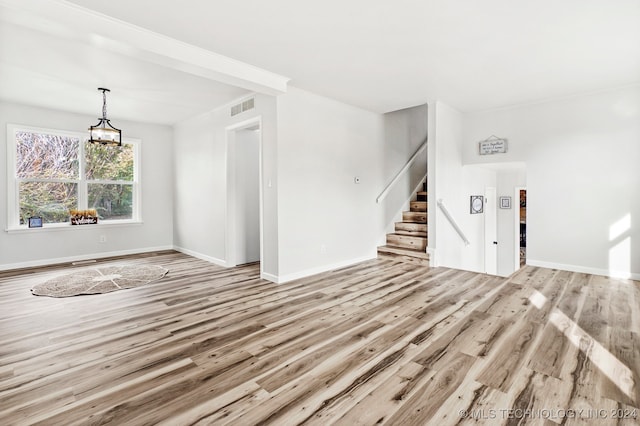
(521, 227)
(244, 195)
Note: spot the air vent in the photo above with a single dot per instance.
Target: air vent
(248, 104)
(236, 109)
(242, 107)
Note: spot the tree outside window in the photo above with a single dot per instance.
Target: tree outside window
(57, 172)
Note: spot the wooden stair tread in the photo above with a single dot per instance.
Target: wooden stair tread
(418, 206)
(403, 251)
(411, 226)
(406, 241)
(409, 236)
(411, 233)
(415, 217)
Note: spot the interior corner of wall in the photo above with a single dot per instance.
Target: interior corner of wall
(433, 258)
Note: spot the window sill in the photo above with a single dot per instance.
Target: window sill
(67, 226)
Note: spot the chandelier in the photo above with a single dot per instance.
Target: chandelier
(104, 133)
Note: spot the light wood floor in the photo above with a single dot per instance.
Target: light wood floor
(382, 342)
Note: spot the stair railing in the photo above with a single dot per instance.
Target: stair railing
(452, 221)
(402, 171)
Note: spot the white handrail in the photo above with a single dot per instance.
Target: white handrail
(386, 190)
(453, 222)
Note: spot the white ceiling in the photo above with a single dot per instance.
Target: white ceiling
(64, 74)
(375, 54)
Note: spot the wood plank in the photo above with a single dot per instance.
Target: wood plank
(417, 217)
(410, 227)
(548, 358)
(404, 252)
(622, 381)
(426, 401)
(411, 233)
(387, 398)
(385, 341)
(406, 241)
(418, 206)
(509, 356)
(404, 258)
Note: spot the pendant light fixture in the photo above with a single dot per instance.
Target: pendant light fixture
(104, 133)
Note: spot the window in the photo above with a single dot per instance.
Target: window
(56, 171)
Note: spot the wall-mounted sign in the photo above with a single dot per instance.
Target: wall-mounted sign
(477, 202)
(492, 145)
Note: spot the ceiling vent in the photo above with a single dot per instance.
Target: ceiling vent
(243, 106)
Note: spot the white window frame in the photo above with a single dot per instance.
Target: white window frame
(13, 202)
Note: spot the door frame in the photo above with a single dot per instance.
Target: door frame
(230, 219)
(490, 199)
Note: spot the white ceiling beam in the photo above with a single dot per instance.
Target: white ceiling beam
(66, 19)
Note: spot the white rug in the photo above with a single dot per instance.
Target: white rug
(100, 280)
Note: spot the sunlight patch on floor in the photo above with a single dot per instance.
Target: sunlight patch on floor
(619, 374)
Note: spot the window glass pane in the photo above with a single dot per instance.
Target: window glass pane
(111, 201)
(46, 156)
(49, 200)
(109, 162)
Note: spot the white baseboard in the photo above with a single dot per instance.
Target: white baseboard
(584, 269)
(324, 268)
(201, 256)
(285, 278)
(58, 260)
(432, 257)
(269, 277)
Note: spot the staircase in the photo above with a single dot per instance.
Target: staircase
(409, 241)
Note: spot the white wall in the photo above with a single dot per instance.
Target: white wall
(200, 187)
(247, 196)
(454, 184)
(325, 219)
(404, 132)
(201, 183)
(581, 156)
(316, 218)
(42, 246)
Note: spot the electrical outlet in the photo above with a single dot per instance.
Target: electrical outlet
(103, 238)
(323, 249)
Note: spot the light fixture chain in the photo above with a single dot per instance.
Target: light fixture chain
(104, 104)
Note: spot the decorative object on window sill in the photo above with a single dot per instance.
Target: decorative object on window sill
(477, 202)
(103, 132)
(492, 145)
(35, 222)
(505, 202)
(84, 217)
